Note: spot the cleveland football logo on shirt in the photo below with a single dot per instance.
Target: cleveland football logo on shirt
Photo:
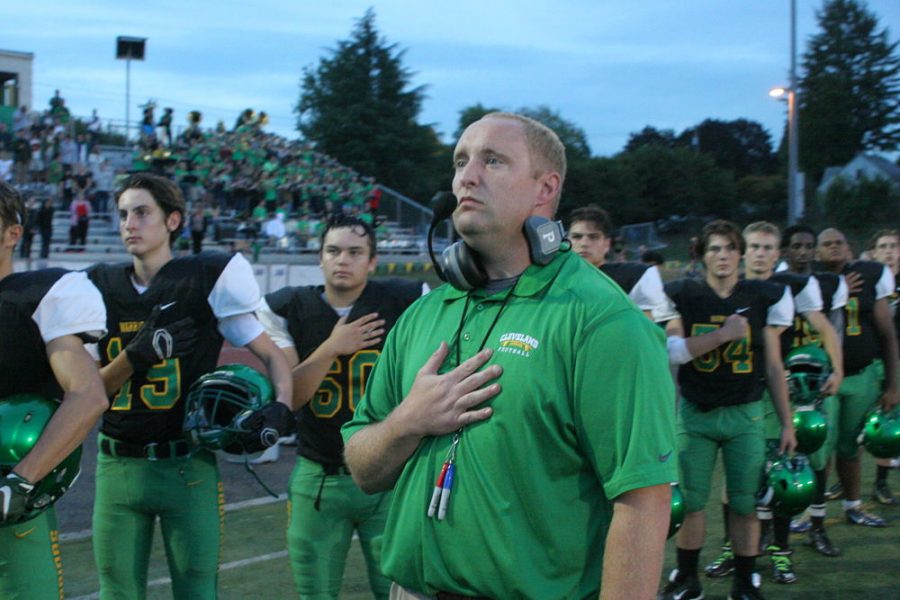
(519, 344)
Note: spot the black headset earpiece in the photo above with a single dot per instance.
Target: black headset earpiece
(459, 264)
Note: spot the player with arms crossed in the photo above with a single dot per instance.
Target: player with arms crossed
(590, 230)
(45, 319)
(731, 352)
(332, 335)
(522, 416)
(145, 467)
(868, 333)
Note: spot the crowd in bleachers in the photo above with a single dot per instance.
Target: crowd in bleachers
(271, 188)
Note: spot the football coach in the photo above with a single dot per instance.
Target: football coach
(523, 416)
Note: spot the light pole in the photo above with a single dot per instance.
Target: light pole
(795, 207)
(795, 197)
(128, 49)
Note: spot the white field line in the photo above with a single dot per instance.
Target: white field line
(84, 534)
(237, 564)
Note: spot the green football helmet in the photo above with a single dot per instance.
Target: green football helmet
(217, 403)
(22, 420)
(678, 510)
(808, 368)
(881, 433)
(790, 485)
(811, 428)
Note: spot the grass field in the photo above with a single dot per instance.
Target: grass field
(255, 565)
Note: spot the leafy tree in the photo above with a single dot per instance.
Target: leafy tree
(651, 136)
(858, 204)
(358, 106)
(741, 146)
(573, 136)
(849, 90)
(676, 181)
(762, 197)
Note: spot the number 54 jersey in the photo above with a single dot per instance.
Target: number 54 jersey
(733, 373)
(300, 317)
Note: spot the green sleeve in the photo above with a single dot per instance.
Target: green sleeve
(627, 422)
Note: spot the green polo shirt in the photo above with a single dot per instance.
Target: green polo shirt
(586, 413)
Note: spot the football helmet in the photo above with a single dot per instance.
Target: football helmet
(217, 403)
(22, 420)
(811, 428)
(790, 485)
(677, 513)
(880, 433)
(808, 368)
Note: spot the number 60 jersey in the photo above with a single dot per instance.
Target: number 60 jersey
(733, 373)
(300, 317)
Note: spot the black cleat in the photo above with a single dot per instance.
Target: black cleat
(681, 588)
(835, 492)
(883, 495)
(782, 565)
(723, 565)
(857, 516)
(819, 542)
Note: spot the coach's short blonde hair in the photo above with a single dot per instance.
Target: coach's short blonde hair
(546, 150)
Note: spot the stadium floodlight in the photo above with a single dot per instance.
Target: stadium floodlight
(129, 48)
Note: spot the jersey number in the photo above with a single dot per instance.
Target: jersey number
(852, 309)
(804, 333)
(163, 387)
(737, 353)
(339, 385)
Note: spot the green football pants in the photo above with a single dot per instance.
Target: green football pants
(319, 539)
(186, 494)
(30, 563)
(858, 394)
(738, 432)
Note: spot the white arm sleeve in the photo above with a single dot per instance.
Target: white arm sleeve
(781, 314)
(809, 299)
(276, 326)
(678, 350)
(71, 306)
(885, 285)
(236, 291)
(425, 288)
(240, 330)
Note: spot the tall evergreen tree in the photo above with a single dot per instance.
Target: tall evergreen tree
(358, 106)
(849, 90)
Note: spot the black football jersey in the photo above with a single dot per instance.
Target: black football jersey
(625, 274)
(24, 366)
(149, 407)
(733, 373)
(310, 321)
(799, 331)
(861, 343)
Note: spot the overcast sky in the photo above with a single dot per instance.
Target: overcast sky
(611, 67)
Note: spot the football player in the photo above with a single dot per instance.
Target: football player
(332, 335)
(726, 340)
(145, 467)
(798, 246)
(590, 231)
(45, 319)
(884, 247)
(868, 327)
(763, 241)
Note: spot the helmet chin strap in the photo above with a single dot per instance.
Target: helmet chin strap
(253, 472)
